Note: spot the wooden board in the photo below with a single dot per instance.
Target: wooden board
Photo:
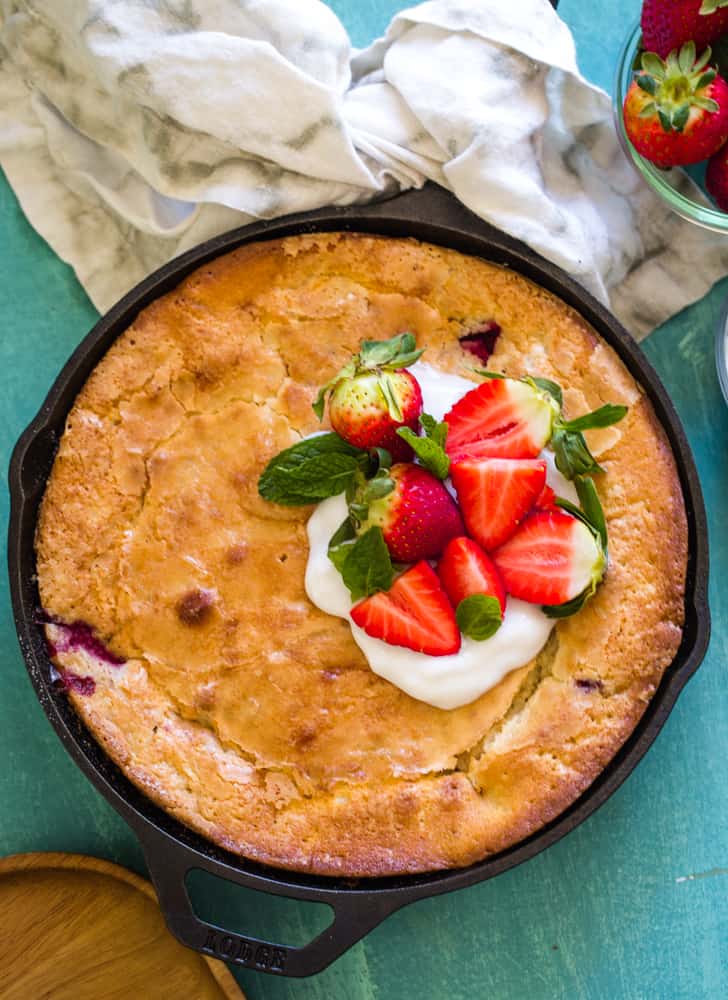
(79, 928)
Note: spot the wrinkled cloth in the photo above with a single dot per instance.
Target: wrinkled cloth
(130, 130)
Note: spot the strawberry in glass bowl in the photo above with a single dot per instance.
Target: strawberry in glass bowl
(671, 105)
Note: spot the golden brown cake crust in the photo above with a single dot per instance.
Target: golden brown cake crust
(241, 708)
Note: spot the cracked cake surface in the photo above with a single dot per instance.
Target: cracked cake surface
(223, 693)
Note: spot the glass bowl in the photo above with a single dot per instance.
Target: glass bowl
(668, 184)
(721, 350)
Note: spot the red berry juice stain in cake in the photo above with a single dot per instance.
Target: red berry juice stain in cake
(79, 635)
(481, 341)
(70, 637)
(588, 684)
(74, 682)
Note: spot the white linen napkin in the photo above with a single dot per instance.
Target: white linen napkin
(131, 130)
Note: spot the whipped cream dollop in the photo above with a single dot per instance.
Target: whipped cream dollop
(443, 681)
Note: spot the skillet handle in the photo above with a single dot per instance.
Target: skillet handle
(355, 914)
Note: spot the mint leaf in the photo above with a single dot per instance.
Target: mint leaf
(429, 449)
(592, 508)
(590, 512)
(430, 454)
(311, 470)
(433, 429)
(605, 416)
(341, 542)
(367, 567)
(570, 608)
(572, 455)
(552, 388)
(479, 616)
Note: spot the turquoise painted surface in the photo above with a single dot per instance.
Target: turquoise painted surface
(610, 912)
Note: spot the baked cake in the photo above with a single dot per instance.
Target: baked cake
(174, 597)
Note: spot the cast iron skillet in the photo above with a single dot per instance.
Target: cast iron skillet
(172, 850)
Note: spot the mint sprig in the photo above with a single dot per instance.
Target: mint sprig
(341, 542)
(429, 449)
(573, 458)
(479, 616)
(312, 470)
(605, 416)
(365, 564)
(552, 388)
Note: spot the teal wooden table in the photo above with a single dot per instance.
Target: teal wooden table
(633, 904)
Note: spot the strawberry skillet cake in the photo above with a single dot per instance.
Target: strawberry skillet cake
(361, 556)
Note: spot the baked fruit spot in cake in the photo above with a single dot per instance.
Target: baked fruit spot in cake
(178, 600)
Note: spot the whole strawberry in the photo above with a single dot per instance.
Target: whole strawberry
(373, 395)
(418, 517)
(676, 110)
(668, 24)
(716, 178)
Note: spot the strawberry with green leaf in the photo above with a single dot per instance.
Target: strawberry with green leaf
(501, 418)
(676, 109)
(417, 515)
(517, 418)
(374, 395)
(668, 24)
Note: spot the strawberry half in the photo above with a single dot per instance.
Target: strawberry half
(502, 418)
(465, 570)
(495, 494)
(552, 559)
(414, 612)
(418, 517)
(546, 499)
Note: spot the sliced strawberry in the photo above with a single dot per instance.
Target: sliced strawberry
(546, 499)
(414, 612)
(465, 569)
(502, 418)
(495, 495)
(552, 558)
